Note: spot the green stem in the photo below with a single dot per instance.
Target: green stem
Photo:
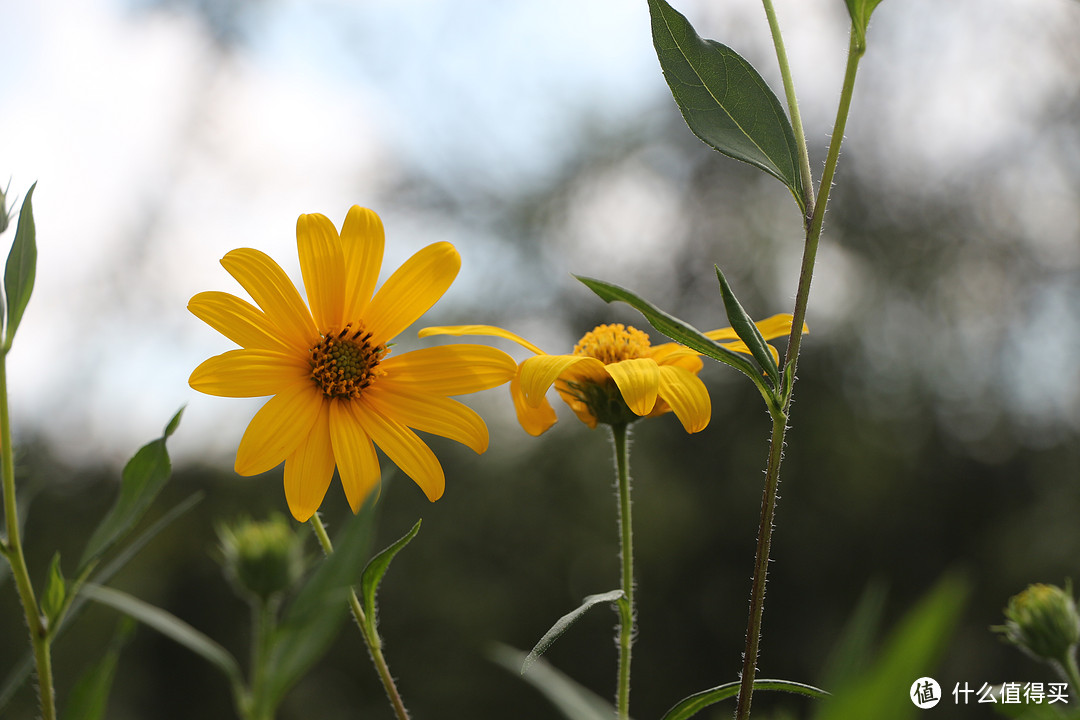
(1071, 672)
(779, 415)
(619, 435)
(793, 108)
(263, 622)
(368, 630)
(39, 632)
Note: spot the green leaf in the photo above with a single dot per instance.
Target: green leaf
(860, 11)
(675, 329)
(692, 705)
(171, 627)
(91, 693)
(747, 331)
(143, 477)
(574, 701)
(52, 601)
(852, 652)
(313, 618)
(565, 622)
(724, 100)
(373, 573)
(21, 267)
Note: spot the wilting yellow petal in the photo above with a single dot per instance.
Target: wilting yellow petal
(358, 465)
(362, 240)
(240, 321)
(687, 396)
(404, 449)
(272, 290)
(411, 291)
(448, 369)
(249, 373)
(534, 420)
(322, 264)
(278, 429)
(309, 469)
(540, 371)
(489, 330)
(431, 414)
(638, 380)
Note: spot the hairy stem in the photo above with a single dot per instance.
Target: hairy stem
(626, 553)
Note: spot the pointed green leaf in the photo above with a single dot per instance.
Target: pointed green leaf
(143, 477)
(170, 626)
(747, 331)
(724, 100)
(90, 695)
(313, 618)
(692, 705)
(574, 701)
(860, 11)
(674, 328)
(565, 622)
(852, 651)
(52, 600)
(373, 573)
(21, 268)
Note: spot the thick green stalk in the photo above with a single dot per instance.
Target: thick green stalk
(367, 630)
(779, 415)
(13, 551)
(626, 553)
(263, 622)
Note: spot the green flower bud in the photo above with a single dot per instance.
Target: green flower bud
(262, 558)
(1043, 622)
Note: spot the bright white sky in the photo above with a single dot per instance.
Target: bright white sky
(114, 111)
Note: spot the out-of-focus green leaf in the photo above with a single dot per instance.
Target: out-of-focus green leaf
(911, 651)
(52, 600)
(313, 618)
(374, 571)
(860, 11)
(572, 700)
(675, 328)
(747, 331)
(565, 622)
(170, 626)
(724, 100)
(143, 477)
(21, 268)
(91, 693)
(692, 705)
(852, 652)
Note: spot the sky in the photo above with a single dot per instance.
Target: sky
(157, 149)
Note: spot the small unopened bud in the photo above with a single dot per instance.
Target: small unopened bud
(1043, 622)
(5, 219)
(262, 558)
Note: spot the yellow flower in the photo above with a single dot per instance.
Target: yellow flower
(615, 375)
(337, 392)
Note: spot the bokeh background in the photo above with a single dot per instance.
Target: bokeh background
(937, 415)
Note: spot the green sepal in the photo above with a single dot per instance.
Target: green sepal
(747, 331)
(21, 268)
(693, 704)
(563, 623)
(52, 601)
(142, 479)
(724, 101)
(676, 329)
(90, 695)
(573, 701)
(860, 11)
(376, 568)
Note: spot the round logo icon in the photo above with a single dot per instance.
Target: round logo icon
(925, 693)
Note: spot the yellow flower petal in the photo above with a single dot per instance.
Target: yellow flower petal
(448, 369)
(678, 355)
(404, 449)
(534, 420)
(310, 468)
(412, 290)
(322, 264)
(431, 414)
(489, 330)
(249, 373)
(272, 290)
(278, 429)
(740, 347)
(240, 321)
(358, 465)
(687, 396)
(362, 241)
(778, 325)
(638, 380)
(540, 371)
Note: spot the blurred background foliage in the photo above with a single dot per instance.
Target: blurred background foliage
(935, 424)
